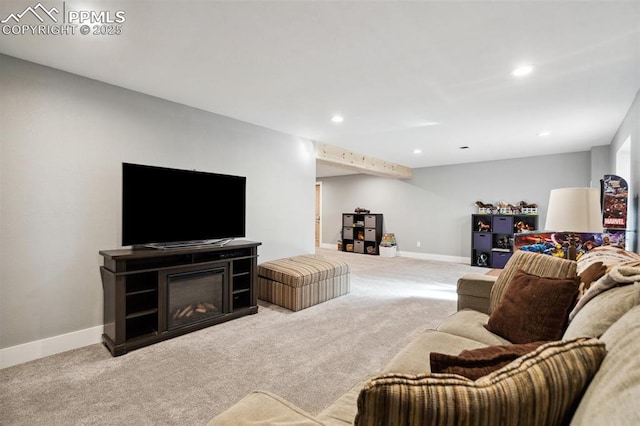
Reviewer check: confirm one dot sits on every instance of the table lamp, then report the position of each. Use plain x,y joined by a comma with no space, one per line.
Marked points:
574,210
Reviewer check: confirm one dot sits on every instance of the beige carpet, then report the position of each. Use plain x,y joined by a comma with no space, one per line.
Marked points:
309,357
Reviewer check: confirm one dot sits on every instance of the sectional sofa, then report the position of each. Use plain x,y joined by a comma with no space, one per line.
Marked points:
588,373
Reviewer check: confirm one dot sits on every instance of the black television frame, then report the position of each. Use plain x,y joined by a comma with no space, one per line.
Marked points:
166,207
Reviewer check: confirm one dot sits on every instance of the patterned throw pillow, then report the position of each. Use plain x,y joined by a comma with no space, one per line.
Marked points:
540,388
534,308
532,263
476,363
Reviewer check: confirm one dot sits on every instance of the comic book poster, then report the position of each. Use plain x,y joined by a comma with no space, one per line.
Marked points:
615,192
557,243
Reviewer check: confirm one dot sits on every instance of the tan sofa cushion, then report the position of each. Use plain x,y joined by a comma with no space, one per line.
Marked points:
532,263
344,409
414,358
602,311
264,408
613,395
470,324
474,291
539,388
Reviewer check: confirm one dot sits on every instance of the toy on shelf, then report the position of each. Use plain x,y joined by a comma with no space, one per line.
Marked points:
388,246
506,208
388,240
484,208
482,226
502,207
482,259
521,226
360,210
527,208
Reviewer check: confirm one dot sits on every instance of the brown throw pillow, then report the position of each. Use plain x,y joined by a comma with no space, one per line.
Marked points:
476,363
534,308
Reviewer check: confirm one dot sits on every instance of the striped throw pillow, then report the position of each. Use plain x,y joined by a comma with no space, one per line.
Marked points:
540,388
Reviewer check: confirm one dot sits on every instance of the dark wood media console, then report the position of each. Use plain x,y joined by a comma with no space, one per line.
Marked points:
152,295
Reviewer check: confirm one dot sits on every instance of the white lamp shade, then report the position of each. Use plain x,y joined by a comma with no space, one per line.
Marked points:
574,210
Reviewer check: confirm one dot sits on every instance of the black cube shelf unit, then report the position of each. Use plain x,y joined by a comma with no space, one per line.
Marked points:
361,233
492,237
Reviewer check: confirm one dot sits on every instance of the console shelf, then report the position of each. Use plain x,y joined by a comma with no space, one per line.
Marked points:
136,283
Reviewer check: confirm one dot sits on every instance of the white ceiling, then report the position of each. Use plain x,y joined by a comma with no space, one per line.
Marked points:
388,67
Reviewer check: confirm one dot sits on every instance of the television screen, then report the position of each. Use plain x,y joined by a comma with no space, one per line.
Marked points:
162,205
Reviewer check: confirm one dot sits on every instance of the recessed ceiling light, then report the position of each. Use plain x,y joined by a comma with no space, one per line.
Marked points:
522,70
417,151
337,119
430,123
544,133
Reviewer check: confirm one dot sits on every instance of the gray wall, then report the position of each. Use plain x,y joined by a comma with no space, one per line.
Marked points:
63,141
630,127
600,164
435,206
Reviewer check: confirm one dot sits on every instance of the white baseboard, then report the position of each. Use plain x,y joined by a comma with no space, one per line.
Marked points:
50,346
65,342
329,246
415,255
438,257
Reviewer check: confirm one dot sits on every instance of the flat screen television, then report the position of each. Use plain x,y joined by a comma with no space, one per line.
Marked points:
163,207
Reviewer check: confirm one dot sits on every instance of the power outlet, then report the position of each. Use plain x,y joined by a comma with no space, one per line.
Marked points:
417,243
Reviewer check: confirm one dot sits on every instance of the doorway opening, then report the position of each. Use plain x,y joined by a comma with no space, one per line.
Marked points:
318,216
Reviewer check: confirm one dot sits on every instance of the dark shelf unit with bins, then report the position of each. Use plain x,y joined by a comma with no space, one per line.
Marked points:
135,287
361,233
492,237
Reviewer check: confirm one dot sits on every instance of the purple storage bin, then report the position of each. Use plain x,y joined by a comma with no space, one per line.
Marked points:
482,240
502,225
499,259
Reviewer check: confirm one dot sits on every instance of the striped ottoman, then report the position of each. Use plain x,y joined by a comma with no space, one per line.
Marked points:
299,282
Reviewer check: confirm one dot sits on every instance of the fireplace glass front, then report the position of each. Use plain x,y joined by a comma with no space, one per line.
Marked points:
194,296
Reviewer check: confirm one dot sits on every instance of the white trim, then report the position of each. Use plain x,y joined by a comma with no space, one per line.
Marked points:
438,257
318,185
415,255
50,346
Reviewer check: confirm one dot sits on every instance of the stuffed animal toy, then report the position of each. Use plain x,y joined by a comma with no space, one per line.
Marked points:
483,226
484,205
525,205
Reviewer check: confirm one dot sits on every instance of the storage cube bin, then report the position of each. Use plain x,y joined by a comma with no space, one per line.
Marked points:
369,234
482,240
499,259
370,221
347,233
502,225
